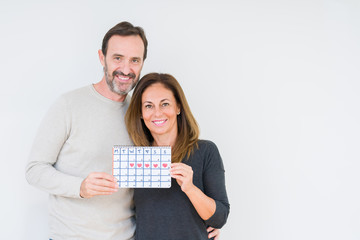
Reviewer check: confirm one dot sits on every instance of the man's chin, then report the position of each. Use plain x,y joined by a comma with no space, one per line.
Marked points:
122,92
127,89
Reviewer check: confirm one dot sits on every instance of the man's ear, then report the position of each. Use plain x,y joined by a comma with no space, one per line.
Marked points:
101,57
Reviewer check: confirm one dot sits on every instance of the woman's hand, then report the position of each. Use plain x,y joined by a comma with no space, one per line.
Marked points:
184,176
204,205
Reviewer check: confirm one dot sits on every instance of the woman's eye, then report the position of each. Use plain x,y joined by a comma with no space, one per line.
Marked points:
165,104
148,106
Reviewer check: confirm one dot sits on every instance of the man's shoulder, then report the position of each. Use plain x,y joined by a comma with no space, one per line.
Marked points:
85,90
75,96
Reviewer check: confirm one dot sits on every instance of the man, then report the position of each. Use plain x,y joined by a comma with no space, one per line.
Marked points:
71,156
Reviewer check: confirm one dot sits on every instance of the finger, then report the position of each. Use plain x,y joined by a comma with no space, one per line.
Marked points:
180,166
99,182
175,164
103,175
210,229
102,189
178,177
98,185
183,173
93,186
178,172
102,179
95,192
90,190
90,194
211,235
214,233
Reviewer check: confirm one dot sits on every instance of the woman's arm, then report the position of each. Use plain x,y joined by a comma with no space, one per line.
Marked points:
204,205
211,202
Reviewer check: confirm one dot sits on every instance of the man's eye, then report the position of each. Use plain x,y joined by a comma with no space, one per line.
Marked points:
135,60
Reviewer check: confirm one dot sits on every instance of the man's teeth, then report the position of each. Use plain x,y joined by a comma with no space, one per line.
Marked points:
123,77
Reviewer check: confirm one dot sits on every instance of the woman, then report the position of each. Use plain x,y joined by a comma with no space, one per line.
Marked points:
159,115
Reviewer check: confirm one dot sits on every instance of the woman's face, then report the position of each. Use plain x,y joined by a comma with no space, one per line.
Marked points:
159,111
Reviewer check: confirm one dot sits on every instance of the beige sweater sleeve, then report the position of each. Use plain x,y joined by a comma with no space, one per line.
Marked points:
51,136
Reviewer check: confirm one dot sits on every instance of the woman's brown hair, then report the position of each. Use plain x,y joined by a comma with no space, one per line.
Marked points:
188,129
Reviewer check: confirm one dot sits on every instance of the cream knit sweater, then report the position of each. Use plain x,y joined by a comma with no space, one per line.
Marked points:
75,139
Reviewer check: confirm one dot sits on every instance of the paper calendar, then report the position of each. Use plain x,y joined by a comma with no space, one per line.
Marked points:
142,167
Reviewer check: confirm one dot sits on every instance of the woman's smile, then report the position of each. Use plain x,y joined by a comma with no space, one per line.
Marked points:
159,123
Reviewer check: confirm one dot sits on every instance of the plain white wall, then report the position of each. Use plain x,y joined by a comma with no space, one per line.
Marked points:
275,84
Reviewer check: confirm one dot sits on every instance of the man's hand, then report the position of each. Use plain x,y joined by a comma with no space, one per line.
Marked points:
213,233
98,183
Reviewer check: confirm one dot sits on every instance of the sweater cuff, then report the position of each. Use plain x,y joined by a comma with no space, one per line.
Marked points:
218,219
74,188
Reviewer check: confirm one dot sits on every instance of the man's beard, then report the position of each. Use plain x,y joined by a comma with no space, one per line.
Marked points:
114,87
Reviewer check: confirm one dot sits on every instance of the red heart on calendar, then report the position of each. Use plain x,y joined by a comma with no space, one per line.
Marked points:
164,165
139,164
132,164
155,165
147,165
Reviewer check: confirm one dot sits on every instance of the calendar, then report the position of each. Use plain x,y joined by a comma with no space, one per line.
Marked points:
142,167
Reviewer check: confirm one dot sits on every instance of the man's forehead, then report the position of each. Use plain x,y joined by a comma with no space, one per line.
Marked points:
126,46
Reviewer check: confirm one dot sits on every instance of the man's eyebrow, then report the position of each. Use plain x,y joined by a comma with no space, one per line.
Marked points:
120,55
117,55
136,58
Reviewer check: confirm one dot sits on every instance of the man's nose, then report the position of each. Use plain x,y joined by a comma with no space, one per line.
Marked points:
125,67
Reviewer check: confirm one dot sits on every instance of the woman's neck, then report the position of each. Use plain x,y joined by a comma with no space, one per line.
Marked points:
164,140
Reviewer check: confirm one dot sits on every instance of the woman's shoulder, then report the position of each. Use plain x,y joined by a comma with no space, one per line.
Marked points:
209,153
207,145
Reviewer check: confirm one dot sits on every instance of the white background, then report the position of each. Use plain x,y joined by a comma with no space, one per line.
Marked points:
275,84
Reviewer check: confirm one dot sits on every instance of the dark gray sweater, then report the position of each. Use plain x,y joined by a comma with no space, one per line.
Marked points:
167,213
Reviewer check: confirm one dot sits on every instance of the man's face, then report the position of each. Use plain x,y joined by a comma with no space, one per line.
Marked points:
123,63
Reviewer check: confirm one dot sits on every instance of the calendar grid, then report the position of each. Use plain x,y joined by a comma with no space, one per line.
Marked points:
142,167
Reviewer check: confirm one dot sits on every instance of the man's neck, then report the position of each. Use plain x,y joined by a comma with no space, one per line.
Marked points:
103,89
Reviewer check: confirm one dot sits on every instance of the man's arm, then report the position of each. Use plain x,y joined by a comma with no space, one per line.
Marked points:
51,136
59,131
